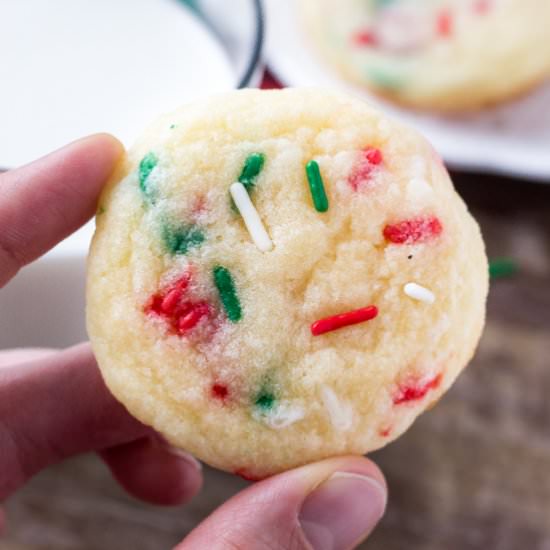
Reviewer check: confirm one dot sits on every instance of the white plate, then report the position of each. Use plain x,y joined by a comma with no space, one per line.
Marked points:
76,67
513,139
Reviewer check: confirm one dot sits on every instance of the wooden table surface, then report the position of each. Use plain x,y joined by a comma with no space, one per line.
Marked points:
474,473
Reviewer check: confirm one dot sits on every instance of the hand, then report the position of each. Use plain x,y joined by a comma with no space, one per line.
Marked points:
54,404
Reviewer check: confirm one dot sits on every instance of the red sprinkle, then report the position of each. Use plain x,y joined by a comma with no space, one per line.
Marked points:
384,432
182,315
165,303
444,23
245,474
171,300
154,305
482,6
373,155
343,320
413,390
362,171
364,38
418,230
219,391
192,315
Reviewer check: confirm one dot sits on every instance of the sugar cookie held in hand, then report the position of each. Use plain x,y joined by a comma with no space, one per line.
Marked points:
279,277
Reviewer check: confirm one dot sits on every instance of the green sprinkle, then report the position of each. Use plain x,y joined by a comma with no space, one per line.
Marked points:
179,239
146,166
265,400
172,126
101,210
502,267
384,79
228,294
380,4
253,165
316,186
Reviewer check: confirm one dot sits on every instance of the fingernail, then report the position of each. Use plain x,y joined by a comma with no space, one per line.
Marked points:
342,511
181,454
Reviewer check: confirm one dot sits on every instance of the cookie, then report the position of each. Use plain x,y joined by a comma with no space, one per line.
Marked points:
446,55
282,276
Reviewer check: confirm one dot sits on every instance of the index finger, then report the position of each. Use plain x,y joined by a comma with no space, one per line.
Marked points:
45,201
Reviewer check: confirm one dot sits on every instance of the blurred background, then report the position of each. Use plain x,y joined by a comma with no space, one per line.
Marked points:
471,474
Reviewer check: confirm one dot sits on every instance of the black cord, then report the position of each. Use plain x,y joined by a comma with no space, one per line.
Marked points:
258,45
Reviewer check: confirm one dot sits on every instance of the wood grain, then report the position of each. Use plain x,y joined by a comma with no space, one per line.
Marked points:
471,474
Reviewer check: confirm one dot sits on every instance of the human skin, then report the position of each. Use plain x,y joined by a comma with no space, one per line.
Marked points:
54,403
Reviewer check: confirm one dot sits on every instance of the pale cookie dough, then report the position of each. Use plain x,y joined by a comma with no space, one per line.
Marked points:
447,55
237,242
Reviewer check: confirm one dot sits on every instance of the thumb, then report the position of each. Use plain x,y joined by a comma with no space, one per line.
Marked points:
330,505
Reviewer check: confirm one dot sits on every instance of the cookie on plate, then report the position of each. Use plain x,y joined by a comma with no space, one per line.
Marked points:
282,276
447,55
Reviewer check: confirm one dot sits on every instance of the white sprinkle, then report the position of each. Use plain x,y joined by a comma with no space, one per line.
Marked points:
341,413
284,415
420,293
250,217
